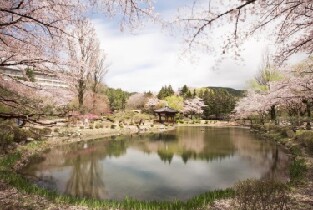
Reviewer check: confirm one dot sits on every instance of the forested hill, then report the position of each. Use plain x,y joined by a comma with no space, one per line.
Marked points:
234,92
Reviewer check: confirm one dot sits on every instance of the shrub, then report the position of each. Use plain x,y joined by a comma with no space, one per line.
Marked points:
297,170
113,126
6,137
81,127
20,134
206,122
306,138
151,125
97,126
262,194
56,130
295,150
287,132
90,126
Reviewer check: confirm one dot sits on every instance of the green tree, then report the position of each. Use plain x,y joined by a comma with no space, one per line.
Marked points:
175,102
183,91
218,103
117,98
188,95
165,92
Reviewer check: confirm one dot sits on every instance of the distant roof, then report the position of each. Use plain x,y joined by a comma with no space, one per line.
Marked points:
166,110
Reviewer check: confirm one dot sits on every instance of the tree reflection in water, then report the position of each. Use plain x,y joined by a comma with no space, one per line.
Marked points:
86,177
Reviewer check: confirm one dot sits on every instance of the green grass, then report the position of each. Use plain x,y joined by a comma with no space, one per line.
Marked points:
23,185
297,169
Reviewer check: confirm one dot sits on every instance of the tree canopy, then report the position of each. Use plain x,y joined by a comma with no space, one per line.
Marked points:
165,92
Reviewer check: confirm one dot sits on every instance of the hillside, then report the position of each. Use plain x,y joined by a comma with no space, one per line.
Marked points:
234,92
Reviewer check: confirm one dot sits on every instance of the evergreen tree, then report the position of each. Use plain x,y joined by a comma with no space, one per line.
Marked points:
183,91
117,98
165,92
218,103
194,93
188,95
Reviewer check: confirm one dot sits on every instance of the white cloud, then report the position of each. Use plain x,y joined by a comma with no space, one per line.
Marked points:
151,59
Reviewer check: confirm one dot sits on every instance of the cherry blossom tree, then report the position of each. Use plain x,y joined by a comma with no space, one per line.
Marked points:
83,52
35,33
292,94
98,71
136,101
290,23
193,106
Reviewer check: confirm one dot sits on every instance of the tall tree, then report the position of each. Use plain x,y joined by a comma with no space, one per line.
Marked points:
261,82
165,92
83,53
98,71
183,91
218,103
117,98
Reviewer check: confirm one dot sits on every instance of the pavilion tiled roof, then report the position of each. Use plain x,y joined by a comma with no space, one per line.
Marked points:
166,110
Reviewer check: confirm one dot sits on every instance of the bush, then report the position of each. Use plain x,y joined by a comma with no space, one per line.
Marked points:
56,130
306,138
6,138
287,132
10,133
297,170
37,133
262,194
113,126
97,126
295,150
20,134
91,126
206,122
197,121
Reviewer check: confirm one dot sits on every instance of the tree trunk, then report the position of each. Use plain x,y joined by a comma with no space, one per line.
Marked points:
81,89
308,109
273,114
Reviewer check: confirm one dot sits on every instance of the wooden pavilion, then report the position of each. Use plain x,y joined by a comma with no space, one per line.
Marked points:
167,112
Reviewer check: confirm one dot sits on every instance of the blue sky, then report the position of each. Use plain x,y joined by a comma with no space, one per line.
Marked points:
150,57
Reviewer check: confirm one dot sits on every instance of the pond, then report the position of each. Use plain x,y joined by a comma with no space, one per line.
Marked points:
177,165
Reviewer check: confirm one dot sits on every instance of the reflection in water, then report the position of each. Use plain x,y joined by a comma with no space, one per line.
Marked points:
173,165
86,178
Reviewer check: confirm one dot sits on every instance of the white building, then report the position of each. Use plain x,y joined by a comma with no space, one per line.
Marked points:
41,78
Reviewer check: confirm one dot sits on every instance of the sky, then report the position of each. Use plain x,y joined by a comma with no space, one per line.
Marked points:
149,58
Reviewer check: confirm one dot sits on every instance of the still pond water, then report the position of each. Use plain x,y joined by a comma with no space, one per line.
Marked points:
178,164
